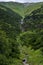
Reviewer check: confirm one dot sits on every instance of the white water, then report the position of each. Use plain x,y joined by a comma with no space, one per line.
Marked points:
21,23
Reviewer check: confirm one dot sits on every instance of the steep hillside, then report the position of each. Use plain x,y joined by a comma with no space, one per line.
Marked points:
20,8
34,21
17,7
9,20
31,7
9,30
21,33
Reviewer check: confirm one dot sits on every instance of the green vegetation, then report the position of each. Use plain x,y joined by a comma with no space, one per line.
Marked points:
34,21
15,44
17,7
32,7
22,9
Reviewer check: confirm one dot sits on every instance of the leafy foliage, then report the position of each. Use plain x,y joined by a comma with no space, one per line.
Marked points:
8,48
31,47
34,21
16,45
9,29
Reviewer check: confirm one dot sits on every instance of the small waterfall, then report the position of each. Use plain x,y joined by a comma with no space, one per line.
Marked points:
21,23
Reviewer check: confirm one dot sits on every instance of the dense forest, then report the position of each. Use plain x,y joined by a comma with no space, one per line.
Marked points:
21,33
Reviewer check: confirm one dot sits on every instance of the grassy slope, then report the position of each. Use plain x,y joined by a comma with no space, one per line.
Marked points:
34,21
21,8
32,7
17,7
